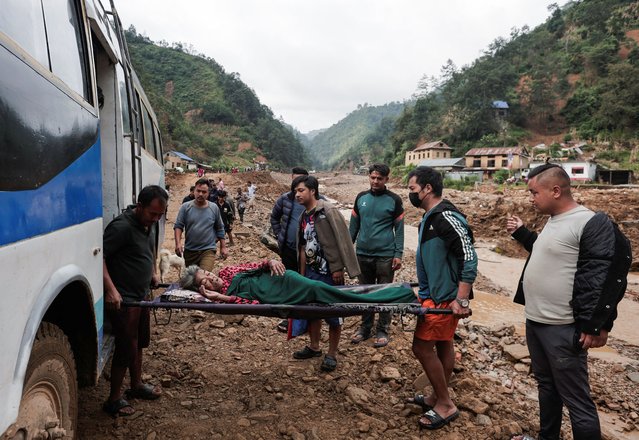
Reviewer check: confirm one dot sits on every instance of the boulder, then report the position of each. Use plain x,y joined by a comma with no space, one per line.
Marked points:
517,351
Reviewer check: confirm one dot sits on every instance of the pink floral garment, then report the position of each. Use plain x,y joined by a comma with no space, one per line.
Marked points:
227,274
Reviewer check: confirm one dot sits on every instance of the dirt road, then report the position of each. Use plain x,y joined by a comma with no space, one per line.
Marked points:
234,377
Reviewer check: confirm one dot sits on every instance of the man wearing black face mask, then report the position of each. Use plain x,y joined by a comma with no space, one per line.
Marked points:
446,269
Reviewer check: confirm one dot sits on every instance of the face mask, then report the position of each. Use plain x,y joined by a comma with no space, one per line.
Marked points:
414,199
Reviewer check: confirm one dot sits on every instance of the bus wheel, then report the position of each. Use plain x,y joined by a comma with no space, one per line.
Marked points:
49,405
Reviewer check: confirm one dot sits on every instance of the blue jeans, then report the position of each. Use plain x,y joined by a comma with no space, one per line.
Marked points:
328,279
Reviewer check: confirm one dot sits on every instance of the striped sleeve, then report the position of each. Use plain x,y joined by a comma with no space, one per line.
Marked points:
455,233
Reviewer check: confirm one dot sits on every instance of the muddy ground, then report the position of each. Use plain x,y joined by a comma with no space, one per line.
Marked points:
234,377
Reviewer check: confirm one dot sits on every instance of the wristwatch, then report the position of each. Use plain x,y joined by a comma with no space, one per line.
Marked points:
464,302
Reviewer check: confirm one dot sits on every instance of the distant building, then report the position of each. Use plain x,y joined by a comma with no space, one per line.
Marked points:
500,109
578,170
489,160
429,150
173,159
444,165
615,177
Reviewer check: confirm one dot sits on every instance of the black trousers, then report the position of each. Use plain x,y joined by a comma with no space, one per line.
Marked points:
376,270
289,259
561,369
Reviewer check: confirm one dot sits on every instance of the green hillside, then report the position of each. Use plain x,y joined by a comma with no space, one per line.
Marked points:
208,113
352,141
572,78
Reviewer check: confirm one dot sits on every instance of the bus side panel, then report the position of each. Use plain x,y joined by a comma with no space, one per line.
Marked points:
35,271
50,211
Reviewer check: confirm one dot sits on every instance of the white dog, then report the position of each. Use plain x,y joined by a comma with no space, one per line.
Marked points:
168,260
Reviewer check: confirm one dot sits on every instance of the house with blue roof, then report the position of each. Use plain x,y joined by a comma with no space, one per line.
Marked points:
174,159
501,109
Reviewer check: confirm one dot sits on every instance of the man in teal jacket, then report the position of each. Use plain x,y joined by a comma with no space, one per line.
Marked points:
377,227
446,265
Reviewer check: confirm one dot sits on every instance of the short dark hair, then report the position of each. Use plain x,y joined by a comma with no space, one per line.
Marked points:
380,168
428,176
550,170
541,168
192,188
299,170
309,181
150,193
221,193
202,181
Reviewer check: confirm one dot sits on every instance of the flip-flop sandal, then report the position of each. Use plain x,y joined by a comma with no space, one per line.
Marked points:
436,421
419,399
359,336
381,340
114,409
145,392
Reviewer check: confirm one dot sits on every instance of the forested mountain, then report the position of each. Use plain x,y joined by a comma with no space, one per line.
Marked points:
356,138
573,77
206,112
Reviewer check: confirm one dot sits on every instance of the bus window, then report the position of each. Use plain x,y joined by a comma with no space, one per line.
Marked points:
124,100
138,118
158,144
22,21
66,47
149,143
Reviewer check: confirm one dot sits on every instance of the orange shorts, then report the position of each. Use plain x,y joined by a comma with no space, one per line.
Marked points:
432,327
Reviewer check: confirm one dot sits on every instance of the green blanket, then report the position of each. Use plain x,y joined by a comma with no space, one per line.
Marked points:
293,288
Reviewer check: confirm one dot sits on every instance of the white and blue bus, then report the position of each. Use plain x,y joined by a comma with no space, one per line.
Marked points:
78,141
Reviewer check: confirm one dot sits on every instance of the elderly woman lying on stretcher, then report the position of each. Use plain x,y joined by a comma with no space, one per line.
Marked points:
214,288
268,282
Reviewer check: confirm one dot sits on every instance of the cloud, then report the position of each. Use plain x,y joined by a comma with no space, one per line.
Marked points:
312,62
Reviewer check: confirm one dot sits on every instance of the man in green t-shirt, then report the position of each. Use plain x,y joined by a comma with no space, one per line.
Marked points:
129,272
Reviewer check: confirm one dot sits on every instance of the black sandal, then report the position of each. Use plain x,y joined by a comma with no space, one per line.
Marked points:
114,409
145,391
307,353
420,400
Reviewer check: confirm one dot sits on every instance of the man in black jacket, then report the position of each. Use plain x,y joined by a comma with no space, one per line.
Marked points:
570,298
285,219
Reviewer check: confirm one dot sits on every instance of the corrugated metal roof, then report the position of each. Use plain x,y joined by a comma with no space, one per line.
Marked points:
432,145
496,151
449,162
181,156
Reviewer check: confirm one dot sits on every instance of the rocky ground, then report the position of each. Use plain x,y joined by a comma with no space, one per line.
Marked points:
234,377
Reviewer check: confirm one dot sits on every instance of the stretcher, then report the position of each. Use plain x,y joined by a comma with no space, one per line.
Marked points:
296,311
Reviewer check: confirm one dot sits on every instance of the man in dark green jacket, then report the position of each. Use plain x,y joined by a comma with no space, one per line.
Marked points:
446,265
377,226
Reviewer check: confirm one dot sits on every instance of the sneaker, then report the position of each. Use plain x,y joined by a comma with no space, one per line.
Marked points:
307,353
329,363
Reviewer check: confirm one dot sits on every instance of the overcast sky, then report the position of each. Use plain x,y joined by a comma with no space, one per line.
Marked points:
313,61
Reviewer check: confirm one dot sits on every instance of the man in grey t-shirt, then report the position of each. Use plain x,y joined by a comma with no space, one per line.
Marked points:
558,296
202,223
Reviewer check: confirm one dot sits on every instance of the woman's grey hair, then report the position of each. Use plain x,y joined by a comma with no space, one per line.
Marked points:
188,279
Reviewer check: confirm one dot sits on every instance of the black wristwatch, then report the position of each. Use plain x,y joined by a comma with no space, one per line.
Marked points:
464,302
